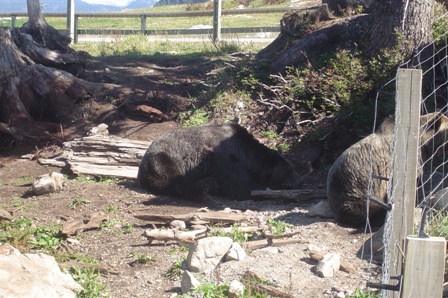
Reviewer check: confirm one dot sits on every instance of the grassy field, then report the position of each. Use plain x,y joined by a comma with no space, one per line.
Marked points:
166,23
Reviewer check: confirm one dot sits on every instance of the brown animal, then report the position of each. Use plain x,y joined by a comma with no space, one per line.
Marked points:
350,178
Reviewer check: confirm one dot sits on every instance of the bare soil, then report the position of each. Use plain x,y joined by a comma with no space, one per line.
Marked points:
168,84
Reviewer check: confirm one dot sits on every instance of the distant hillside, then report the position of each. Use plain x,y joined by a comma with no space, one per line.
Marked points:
176,2
8,6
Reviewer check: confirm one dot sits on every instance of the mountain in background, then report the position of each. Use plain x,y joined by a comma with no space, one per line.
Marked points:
8,6
176,2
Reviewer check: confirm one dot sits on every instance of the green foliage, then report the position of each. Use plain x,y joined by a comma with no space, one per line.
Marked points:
24,235
235,234
127,229
89,279
195,118
440,24
17,203
176,270
270,134
141,258
278,227
211,290
47,238
79,257
22,181
78,203
175,249
361,294
438,226
110,223
109,209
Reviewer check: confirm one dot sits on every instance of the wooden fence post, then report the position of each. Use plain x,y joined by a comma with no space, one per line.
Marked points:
424,267
143,24
400,221
216,20
75,39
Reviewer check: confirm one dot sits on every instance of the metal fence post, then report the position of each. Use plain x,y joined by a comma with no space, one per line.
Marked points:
71,19
216,20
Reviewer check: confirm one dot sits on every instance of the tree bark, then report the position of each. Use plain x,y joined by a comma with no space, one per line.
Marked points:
36,85
402,23
393,23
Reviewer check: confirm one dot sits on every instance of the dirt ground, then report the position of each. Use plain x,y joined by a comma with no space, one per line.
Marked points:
168,85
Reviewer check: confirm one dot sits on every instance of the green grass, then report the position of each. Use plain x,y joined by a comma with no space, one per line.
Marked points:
278,227
89,279
23,234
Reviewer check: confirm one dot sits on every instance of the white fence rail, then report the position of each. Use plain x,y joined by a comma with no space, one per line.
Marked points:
144,16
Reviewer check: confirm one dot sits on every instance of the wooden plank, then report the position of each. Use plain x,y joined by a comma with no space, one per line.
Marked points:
404,171
208,217
424,267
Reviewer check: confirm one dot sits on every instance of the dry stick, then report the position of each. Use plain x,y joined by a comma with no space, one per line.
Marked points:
272,242
167,234
291,194
203,217
345,266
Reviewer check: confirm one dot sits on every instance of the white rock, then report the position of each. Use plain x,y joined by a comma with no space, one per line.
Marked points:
100,130
235,253
236,289
33,275
321,209
178,225
47,183
329,265
206,254
188,282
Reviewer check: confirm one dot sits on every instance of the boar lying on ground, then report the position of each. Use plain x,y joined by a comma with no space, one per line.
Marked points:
221,160
350,178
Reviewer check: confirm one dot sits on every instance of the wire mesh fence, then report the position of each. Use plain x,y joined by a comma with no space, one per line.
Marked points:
430,196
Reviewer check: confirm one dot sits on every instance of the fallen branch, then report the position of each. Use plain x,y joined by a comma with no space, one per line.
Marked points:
283,236
168,234
291,194
345,266
252,245
193,218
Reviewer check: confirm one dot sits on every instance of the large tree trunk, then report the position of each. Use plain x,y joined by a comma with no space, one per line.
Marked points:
34,83
392,23
402,23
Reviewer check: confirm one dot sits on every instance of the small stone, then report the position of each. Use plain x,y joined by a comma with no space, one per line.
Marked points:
236,289
207,253
47,183
235,253
178,225
188,282
329,265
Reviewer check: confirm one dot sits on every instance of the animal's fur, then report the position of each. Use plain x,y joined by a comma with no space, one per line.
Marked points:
349,177
222,159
